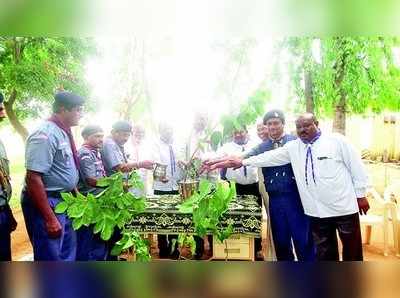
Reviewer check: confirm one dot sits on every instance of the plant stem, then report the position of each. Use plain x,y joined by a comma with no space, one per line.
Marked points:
196,150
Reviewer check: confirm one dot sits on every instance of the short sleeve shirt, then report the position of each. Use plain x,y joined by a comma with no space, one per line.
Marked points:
91,166
5,191
113,155
48,151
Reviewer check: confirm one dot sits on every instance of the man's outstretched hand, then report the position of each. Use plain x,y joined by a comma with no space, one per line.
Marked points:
220,163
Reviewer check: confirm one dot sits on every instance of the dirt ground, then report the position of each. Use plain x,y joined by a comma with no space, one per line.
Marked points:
19,238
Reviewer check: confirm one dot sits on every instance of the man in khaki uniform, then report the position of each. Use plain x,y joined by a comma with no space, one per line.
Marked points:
7,221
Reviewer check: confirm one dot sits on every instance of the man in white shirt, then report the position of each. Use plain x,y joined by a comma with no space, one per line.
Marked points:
290,227
246,177
137,149
164,153
332,183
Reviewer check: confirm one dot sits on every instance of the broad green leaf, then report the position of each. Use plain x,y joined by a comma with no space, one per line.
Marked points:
216,139
67,197
116,250
104,182
108,229
129,243
225,234
61,207
204,187
99,226
75,210
77,223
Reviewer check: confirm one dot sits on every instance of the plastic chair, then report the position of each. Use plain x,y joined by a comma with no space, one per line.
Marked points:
392,195
382,213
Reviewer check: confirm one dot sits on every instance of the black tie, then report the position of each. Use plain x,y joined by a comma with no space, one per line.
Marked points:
244,167
276,144
172,160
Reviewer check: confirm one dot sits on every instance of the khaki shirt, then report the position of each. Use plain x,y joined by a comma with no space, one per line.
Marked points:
5,184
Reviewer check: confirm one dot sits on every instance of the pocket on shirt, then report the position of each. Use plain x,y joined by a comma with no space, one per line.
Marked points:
65,153
327,167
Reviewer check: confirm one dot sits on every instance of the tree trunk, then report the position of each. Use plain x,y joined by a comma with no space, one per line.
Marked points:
339,122
308,92
16,124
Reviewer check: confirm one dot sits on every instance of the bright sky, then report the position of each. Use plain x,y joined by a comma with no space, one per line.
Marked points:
184,74
184,68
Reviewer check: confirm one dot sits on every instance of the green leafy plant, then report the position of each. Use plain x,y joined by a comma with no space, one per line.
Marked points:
247,115
113,208
208,205
223,130
192,170
185,241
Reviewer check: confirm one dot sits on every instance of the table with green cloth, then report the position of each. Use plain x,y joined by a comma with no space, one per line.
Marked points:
162,216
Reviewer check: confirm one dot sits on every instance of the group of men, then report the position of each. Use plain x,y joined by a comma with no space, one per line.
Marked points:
317,187
316,184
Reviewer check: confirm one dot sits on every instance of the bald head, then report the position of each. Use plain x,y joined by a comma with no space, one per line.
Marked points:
309,116
307,126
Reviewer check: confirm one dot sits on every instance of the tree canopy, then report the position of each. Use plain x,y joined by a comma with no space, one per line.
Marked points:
352,75
33,68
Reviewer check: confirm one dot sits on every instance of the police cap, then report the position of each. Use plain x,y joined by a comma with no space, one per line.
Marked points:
274,114
90,130
122,126
68,99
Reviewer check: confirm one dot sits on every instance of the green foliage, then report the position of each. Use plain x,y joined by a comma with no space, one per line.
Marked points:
363,69
36,66
208,204
131,239
32,69
192,169
246,116
113,208
185,240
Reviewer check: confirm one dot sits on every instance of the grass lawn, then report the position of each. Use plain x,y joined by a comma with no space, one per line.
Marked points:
17,169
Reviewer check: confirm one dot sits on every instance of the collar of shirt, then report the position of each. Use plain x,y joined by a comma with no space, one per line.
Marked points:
278,140
95,150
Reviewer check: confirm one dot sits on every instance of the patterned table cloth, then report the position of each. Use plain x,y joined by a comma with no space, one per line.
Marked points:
162,216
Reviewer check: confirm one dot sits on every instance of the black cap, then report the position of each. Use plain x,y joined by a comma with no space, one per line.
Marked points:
1,97
274,114
90,130
123,126
69,99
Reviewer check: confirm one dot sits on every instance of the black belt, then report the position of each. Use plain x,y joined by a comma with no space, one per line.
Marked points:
57,194
52,194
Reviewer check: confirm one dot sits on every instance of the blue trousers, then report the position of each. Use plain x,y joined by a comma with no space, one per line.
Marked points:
289,223
90,246
5,236
44,247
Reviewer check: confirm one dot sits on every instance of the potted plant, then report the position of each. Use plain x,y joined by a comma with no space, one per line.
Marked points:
247,114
